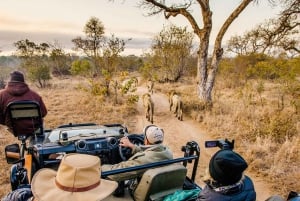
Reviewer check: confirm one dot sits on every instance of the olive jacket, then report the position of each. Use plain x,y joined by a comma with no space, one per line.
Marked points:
141,155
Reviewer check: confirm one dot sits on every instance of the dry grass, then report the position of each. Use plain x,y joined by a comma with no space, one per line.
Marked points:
66,104
5,138
238,113
266,134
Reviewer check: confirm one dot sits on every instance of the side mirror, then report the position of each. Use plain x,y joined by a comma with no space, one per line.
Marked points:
12,153
63,138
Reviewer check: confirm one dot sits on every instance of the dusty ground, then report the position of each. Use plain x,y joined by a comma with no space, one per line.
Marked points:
177,133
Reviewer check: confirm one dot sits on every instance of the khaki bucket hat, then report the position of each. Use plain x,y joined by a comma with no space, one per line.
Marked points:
78,178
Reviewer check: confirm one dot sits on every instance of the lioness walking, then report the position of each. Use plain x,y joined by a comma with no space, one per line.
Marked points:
176,104
150,85
149,107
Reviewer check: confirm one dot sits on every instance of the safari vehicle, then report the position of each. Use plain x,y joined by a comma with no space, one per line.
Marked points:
47,147
160,178
50,144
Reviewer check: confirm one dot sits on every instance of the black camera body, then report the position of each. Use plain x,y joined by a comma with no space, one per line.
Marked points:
222,144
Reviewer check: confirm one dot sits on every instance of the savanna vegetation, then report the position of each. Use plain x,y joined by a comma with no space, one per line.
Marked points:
255,98
262,115
260,112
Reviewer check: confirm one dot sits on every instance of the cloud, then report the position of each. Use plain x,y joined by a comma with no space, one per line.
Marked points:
8,23
9,37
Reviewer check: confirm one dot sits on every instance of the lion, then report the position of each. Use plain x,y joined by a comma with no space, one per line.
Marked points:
149,106
176,104
150,85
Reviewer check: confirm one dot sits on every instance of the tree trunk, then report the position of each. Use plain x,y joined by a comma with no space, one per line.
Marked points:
206,71
202,64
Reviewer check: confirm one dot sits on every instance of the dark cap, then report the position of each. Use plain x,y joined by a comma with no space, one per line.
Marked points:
227,167
16,76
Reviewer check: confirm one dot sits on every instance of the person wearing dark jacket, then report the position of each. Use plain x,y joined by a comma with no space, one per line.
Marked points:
17,90
227,183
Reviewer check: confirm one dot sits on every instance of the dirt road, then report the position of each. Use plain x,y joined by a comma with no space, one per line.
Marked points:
177,133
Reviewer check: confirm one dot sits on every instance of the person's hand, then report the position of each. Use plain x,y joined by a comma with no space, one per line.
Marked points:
125,142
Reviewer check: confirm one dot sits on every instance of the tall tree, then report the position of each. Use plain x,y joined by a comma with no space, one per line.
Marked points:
171,49
34,60
94,40
60,61
206,69
276,34
111,53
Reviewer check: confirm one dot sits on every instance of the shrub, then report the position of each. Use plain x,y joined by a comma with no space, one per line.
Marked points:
279,126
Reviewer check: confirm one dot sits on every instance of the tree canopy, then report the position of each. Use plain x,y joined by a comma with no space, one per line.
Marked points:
206,67
273,36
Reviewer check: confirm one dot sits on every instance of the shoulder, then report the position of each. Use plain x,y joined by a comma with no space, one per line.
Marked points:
248,182
208,194
33,92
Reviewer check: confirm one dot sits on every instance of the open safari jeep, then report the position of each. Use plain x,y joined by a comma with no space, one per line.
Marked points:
46,148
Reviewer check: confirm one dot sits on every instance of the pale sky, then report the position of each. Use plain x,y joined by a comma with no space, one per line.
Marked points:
63,20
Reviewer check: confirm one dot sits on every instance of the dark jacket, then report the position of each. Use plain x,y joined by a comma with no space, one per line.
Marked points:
245,192
17,91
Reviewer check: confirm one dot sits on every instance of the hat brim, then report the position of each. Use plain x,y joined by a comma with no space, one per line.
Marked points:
44,189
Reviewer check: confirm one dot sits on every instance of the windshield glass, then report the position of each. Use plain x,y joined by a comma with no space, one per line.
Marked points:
82,132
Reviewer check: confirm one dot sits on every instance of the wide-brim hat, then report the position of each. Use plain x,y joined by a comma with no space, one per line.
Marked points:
227,167
78,178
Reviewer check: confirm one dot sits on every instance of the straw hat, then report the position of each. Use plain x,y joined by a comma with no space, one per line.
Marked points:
77,179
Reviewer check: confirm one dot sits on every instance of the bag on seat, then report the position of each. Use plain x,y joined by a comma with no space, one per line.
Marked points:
159,182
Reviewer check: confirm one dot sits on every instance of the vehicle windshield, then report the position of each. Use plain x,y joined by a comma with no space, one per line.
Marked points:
72,133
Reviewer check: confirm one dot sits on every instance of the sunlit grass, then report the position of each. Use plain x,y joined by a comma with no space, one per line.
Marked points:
265,134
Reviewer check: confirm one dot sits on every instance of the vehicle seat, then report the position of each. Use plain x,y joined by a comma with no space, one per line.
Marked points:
25,118
159,182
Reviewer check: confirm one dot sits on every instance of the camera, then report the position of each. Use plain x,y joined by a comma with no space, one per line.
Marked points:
222,144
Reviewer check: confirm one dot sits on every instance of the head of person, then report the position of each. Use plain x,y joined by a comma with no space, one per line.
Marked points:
226,167
78,178
295,198
153,135
17,76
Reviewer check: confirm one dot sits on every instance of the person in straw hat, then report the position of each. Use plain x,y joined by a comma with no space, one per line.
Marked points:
153,150
78,178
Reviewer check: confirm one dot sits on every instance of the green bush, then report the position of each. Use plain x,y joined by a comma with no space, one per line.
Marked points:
96,88
132,99
40,74
81,67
